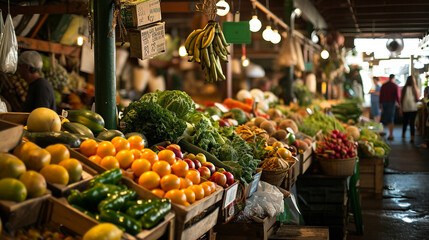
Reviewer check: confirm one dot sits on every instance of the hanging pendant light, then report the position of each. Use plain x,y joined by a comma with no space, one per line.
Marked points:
267,34
255,24
275,37
222,8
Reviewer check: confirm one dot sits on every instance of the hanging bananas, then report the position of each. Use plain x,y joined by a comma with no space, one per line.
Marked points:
207,47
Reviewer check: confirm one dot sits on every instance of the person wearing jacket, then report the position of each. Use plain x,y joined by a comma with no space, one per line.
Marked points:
389,96
409,99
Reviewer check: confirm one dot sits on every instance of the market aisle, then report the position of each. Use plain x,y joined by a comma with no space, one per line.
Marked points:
403,212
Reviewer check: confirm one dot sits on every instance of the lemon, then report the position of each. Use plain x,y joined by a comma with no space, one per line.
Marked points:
103,231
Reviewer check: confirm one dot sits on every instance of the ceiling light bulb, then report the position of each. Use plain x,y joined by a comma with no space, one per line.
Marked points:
275,37
267,33
314,37
222,8
245,62
297,11
255,24
324,54
182,51
80,41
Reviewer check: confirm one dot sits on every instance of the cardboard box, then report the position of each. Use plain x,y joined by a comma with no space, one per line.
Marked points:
141,13
12,132
147,42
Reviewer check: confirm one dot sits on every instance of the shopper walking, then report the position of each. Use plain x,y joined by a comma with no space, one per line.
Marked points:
409,99
389,97
40,92
425,102
375,100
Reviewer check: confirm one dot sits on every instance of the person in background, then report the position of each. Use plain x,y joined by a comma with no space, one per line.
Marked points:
426,124
40,92
375,100
389,96
409,99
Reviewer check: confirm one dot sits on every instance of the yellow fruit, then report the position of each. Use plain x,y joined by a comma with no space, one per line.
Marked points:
190,195
22,149
88,147
55,173
158,192
125,158
140,166
38,158
12,189
10,166
34,182
43,120
176,196
103,231
58,153
162,168
170,182
180,168
74,168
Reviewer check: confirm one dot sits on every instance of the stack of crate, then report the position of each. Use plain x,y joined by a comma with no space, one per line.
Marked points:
323,202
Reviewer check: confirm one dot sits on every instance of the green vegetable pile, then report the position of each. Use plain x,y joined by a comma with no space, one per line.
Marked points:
156,115
107,201
348,111
375,141
319,121
303,94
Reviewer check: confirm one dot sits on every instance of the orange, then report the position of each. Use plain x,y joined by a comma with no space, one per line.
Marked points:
176,196
167,155
198,190
106,148
170,182
158,192
140,166
95,159
121,144
58,153
180,168
136,142
125,158
162,168
207,189
109,162
88,147
54,173
117,139
190,195
185,183
150,155
194,176
149,180
137,153
212,185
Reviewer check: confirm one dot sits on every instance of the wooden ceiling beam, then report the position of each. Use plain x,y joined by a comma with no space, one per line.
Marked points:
65,8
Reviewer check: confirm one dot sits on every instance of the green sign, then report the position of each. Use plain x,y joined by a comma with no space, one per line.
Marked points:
237,32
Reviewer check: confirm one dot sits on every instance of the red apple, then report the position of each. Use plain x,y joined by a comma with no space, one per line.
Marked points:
229,178
190,163
219,178
196,163
176,149
204,172
210,166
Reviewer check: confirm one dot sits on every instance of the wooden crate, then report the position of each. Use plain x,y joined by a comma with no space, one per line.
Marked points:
296,232
15,117
292,175
305,160
165,227
371,176
55,215
16,215
259,229
184,215
12,132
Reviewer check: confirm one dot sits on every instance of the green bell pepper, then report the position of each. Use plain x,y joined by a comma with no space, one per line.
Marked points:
137,211
131,225
156,214
112,176
118,200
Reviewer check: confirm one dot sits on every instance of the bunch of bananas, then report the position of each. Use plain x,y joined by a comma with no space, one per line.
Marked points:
207,47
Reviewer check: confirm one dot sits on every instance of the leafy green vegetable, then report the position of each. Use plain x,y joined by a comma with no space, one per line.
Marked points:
156,123
149,97
176,101
319,121
303,94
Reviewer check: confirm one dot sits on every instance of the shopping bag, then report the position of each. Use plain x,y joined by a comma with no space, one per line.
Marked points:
8,48
291,214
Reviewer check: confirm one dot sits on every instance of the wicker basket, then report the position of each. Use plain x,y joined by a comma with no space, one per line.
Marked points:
274,177
337,167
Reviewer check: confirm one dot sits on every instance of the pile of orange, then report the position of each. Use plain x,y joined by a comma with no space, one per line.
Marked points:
162,173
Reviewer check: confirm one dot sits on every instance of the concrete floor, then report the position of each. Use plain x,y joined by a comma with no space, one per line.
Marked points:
403,211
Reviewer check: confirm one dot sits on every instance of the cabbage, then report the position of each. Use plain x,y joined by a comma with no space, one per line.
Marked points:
176,101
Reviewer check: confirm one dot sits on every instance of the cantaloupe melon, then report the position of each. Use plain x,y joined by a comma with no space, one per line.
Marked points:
43,120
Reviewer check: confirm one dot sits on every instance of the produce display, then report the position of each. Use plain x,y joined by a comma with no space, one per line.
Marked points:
40,233
348,111
318,121
336,145
371,144
207,47
26,173
108,201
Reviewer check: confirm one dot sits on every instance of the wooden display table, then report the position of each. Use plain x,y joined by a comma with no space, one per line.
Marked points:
371,176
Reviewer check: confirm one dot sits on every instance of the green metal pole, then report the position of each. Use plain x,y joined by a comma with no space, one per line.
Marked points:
105,55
